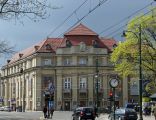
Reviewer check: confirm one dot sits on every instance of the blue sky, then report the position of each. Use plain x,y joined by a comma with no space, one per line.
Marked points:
25,35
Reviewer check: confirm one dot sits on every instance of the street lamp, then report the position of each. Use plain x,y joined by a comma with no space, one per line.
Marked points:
140,69
97,86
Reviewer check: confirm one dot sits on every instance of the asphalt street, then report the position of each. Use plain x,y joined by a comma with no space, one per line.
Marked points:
58,115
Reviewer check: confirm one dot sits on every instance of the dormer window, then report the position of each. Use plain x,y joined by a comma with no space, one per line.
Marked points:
48,47
95,44
20,55
68,43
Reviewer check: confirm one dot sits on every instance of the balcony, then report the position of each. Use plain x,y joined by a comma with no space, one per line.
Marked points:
66,90
83,90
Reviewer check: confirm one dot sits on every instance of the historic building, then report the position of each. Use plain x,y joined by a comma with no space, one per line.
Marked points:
75,69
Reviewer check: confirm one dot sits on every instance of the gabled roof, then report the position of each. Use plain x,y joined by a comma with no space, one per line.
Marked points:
38,48
80,30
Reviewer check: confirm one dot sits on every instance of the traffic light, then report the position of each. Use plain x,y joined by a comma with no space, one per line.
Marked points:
110,96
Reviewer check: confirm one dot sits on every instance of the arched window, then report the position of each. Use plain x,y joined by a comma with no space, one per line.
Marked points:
68,43
95,43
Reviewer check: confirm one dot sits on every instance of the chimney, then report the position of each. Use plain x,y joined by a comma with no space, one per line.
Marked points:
8,61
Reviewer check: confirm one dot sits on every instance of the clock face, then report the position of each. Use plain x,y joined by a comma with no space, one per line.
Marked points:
114,82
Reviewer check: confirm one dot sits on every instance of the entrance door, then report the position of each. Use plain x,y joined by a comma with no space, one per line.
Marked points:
67,105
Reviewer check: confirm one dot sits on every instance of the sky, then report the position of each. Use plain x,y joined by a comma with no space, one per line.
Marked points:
108,14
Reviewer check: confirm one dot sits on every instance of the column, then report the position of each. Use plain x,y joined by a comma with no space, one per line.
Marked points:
58,91
90,90
74,91
38,93
20,91
34,94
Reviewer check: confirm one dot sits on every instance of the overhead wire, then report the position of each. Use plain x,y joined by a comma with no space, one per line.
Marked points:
126,18
74,12
126,23
90,11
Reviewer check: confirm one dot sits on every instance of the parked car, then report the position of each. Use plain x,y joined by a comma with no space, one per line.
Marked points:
83,113
7,108
2,108
124,114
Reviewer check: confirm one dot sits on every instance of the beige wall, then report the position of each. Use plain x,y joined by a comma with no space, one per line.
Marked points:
34,70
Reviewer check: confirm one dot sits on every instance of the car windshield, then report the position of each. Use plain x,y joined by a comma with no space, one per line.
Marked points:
121,111
88,109
130,110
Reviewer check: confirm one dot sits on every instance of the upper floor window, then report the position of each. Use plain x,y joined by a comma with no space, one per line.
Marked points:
83,83
82,61
67,83
68,43
47,62
67,61
95,43
82,46
97,83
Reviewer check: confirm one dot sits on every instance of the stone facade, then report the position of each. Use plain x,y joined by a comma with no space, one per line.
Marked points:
69,64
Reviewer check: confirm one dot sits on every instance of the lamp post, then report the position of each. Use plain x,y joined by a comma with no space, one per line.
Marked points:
140,69
97,86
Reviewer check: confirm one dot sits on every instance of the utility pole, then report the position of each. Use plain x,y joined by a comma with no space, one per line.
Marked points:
140,67
140,74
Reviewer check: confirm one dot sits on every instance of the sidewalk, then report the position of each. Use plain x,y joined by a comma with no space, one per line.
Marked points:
105,117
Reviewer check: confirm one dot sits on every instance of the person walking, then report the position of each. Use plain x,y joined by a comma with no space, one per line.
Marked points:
51,111
45,111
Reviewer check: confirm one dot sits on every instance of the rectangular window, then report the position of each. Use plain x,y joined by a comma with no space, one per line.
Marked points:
67,61
47,62
82,61
67,83
99,83
83,83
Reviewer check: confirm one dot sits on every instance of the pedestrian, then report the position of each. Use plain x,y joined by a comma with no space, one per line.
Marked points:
61,108
51,111
154,111
45,111
152,106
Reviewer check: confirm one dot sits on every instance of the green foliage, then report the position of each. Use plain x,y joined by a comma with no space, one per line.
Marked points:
126,55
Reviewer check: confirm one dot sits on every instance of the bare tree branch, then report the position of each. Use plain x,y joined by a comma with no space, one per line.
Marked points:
23,8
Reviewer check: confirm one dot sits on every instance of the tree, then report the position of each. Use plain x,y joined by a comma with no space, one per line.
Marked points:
5,48
32,9
16,9
126,55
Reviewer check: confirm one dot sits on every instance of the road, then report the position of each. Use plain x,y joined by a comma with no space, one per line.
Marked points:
58,115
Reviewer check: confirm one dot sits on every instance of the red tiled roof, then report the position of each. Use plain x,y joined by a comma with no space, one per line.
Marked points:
82,34
81,30
109,42
40,47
